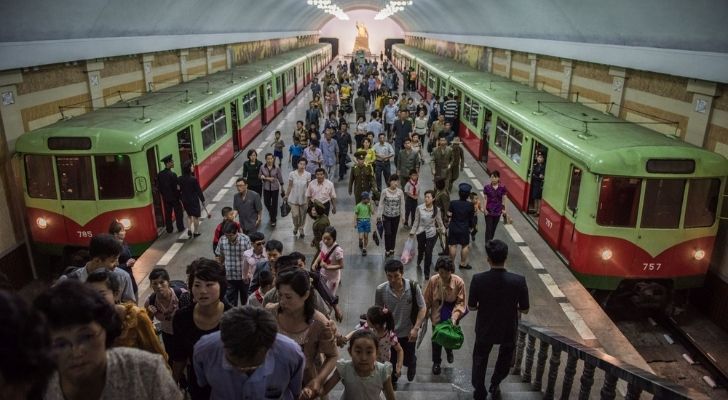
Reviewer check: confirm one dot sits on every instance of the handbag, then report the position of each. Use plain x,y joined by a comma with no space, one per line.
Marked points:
448,335
285,209
375,238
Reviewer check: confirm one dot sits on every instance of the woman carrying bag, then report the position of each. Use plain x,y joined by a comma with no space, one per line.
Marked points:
445,301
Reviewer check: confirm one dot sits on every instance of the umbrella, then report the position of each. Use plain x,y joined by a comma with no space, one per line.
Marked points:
423,331
380,228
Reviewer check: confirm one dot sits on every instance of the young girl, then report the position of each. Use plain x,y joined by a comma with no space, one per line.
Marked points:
330,259
278,146
380,321
363,376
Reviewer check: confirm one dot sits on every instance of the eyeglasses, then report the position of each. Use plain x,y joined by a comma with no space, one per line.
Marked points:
64,346
259,243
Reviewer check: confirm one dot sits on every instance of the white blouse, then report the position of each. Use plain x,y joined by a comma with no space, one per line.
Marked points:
297,195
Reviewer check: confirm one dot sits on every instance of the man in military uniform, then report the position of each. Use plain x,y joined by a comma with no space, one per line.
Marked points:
442,161
458,162
407,161
169,189
362,178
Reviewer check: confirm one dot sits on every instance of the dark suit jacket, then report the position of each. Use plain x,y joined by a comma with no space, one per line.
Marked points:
498,295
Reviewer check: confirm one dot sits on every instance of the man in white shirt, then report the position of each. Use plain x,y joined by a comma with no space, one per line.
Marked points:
382,165
322,189
375,125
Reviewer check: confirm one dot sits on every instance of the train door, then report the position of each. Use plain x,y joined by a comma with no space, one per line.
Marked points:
566,241
235,124
485,136
263,111
77,193
184,143
152,164
536,175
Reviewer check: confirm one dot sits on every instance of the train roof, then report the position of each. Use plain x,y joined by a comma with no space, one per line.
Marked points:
601,142
119,128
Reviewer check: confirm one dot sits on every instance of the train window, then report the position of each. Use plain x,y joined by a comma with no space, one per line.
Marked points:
515,139
488,122
432,82
574,187
443,89
207,129
268,92
474,111
501,134
466,108
73,177
618,201
220,124
246,106
253,101
278,84
702,203
39,177
657,166
663,203
113,175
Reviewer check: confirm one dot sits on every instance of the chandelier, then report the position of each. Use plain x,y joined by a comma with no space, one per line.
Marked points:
393,7
328,7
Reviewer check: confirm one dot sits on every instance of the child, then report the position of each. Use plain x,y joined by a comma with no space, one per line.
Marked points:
227,215
412,194
363,221
475,199
295,151
330,260
317,212
278,148
265,280
380,321
363,376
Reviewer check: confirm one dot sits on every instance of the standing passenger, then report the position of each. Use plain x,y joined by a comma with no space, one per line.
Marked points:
461,214
229,253
494,205
191,194
169,188
391,207
298,181
272,181
247,204
251,171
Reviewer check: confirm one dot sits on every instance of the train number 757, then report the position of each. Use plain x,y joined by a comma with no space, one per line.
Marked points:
651,266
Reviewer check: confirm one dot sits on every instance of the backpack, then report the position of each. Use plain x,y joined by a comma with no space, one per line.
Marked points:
179,287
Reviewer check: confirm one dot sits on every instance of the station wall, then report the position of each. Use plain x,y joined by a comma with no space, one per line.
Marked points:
41,95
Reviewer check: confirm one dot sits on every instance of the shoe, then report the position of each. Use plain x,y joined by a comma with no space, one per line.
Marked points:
295,232
494,391
189,234
450,357
196,234
302,235
467,266
411,371
180,230
406,225
273,224
364,252
394,384
436,369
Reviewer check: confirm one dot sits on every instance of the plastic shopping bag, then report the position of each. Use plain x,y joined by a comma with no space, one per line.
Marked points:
408,253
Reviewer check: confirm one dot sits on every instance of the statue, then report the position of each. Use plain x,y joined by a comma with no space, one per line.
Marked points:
362,38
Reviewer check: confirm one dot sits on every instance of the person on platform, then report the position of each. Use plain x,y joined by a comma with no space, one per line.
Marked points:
382,165
191,196
442,161
360,106
322,190
402,129
330,260
460,215
317,211
248,206
499,297
228,214
313,114
298,181
278,146
495,194
164,302
407,161
426,227
537,175
412,196
390,212
343,139
272,179
390,115
273,250
230,253
375,124
363,220
251,172
458,162
249,359
168,185
437,127
361,178
126,261
330,151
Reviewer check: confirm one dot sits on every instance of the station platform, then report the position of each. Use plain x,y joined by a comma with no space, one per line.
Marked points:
558,301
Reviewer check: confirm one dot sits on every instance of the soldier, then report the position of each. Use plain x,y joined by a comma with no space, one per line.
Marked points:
408,160
458,162
442,161
362,178
168,185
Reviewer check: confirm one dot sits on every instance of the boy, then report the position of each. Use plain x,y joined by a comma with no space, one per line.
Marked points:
227,215
229,253
278,145
295,151
412,195
363,221
265,279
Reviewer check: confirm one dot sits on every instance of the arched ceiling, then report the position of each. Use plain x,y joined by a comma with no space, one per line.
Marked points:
30,30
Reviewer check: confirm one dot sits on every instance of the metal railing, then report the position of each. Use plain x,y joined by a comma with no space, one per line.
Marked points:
638,381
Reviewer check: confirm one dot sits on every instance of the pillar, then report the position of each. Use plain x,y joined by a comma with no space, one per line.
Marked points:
701,110
183,54
208,55
489,51
509,63
568,68
12,119
95,90
619,75
229,56
147,60
533,70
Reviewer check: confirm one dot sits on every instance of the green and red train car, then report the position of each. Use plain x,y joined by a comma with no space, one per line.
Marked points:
81,173
621,203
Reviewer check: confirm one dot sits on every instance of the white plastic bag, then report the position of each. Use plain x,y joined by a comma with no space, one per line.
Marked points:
408,253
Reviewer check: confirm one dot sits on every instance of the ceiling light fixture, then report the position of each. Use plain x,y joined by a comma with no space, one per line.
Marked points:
393,7
328,7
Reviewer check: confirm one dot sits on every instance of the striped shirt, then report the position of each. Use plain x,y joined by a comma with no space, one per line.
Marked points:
401,307
450,109
232,254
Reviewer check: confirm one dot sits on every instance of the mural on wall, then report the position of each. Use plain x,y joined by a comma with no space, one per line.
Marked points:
243,53
361,42
366,32
472,55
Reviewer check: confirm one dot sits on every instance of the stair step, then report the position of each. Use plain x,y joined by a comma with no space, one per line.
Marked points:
427,395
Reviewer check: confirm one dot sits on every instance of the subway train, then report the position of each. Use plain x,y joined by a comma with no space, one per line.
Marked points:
627,208
81,173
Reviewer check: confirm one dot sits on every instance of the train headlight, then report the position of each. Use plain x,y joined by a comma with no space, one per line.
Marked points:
41,222
126,222
699,254
606,254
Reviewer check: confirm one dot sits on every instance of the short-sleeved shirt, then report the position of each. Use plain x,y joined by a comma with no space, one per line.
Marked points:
300,182
251,261
233,258
384,343
279,377
127,291
336,255
363,211
383,150
462,216
322,192
329,151
494,199
401,307
248,208
498,296
313,157
363,387
375,127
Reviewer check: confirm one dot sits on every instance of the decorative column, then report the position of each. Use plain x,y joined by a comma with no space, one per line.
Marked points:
509,63
93,73
147,60
533,70
568,68
489,51
619,75
183,54
701,110
208,55
12,119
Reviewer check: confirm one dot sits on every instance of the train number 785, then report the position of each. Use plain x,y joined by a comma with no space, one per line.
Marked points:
651,266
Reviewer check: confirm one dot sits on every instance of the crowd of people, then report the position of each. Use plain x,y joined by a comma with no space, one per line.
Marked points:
256,320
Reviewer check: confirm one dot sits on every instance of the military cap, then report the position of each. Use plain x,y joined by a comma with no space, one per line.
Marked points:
167,159
360,155
465,187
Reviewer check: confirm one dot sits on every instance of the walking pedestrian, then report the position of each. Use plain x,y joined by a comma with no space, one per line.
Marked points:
126,261
272,179
426,227
343,139
412,196
494,204
251,172
407,161
298,181
313,155
322,190
499,297
330,151
168,185
461,214
361,178
191,196
247,204
384,153
330,260
229,253
458,162
442,161
390,212
402,129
